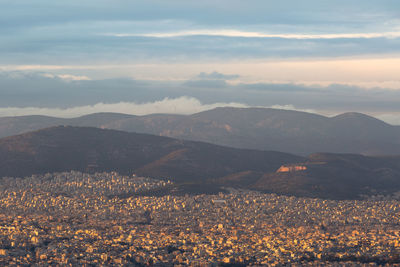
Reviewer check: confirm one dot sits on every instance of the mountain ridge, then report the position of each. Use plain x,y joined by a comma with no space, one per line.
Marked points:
253,128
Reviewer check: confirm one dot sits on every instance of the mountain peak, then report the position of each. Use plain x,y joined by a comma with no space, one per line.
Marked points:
357,116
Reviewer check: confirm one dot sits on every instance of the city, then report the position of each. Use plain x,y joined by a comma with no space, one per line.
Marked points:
199,133
74,219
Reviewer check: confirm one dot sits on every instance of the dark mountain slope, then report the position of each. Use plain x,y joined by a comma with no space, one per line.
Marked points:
337,176
75,148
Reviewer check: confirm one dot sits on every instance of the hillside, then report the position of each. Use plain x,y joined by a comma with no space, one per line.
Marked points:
252,128
323,175
92,149
337,176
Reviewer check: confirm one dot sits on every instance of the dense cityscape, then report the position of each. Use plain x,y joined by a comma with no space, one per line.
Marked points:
107,219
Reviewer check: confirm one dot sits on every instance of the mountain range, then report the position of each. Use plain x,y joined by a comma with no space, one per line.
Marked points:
324,175
294,132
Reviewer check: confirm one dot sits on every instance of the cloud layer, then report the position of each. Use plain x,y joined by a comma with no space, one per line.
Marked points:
61,95
181,105
247,34
90,32
328,56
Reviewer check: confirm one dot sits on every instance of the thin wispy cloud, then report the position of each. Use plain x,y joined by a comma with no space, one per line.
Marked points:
67,77
253,34
367,73
217,76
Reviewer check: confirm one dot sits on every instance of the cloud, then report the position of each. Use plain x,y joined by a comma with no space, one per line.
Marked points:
212,80
267,53
379,71
181,105
218,12
252,34
210,84
391,118
292,107
41,93
101,33
217,76
67,77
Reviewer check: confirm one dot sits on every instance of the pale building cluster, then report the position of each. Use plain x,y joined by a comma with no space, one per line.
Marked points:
108,219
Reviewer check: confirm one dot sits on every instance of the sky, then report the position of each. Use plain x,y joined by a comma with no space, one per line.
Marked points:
69,58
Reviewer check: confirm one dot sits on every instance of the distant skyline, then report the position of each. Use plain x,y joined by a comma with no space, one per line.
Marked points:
71,58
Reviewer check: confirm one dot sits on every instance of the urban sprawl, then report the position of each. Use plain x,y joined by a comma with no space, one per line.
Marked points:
77,219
